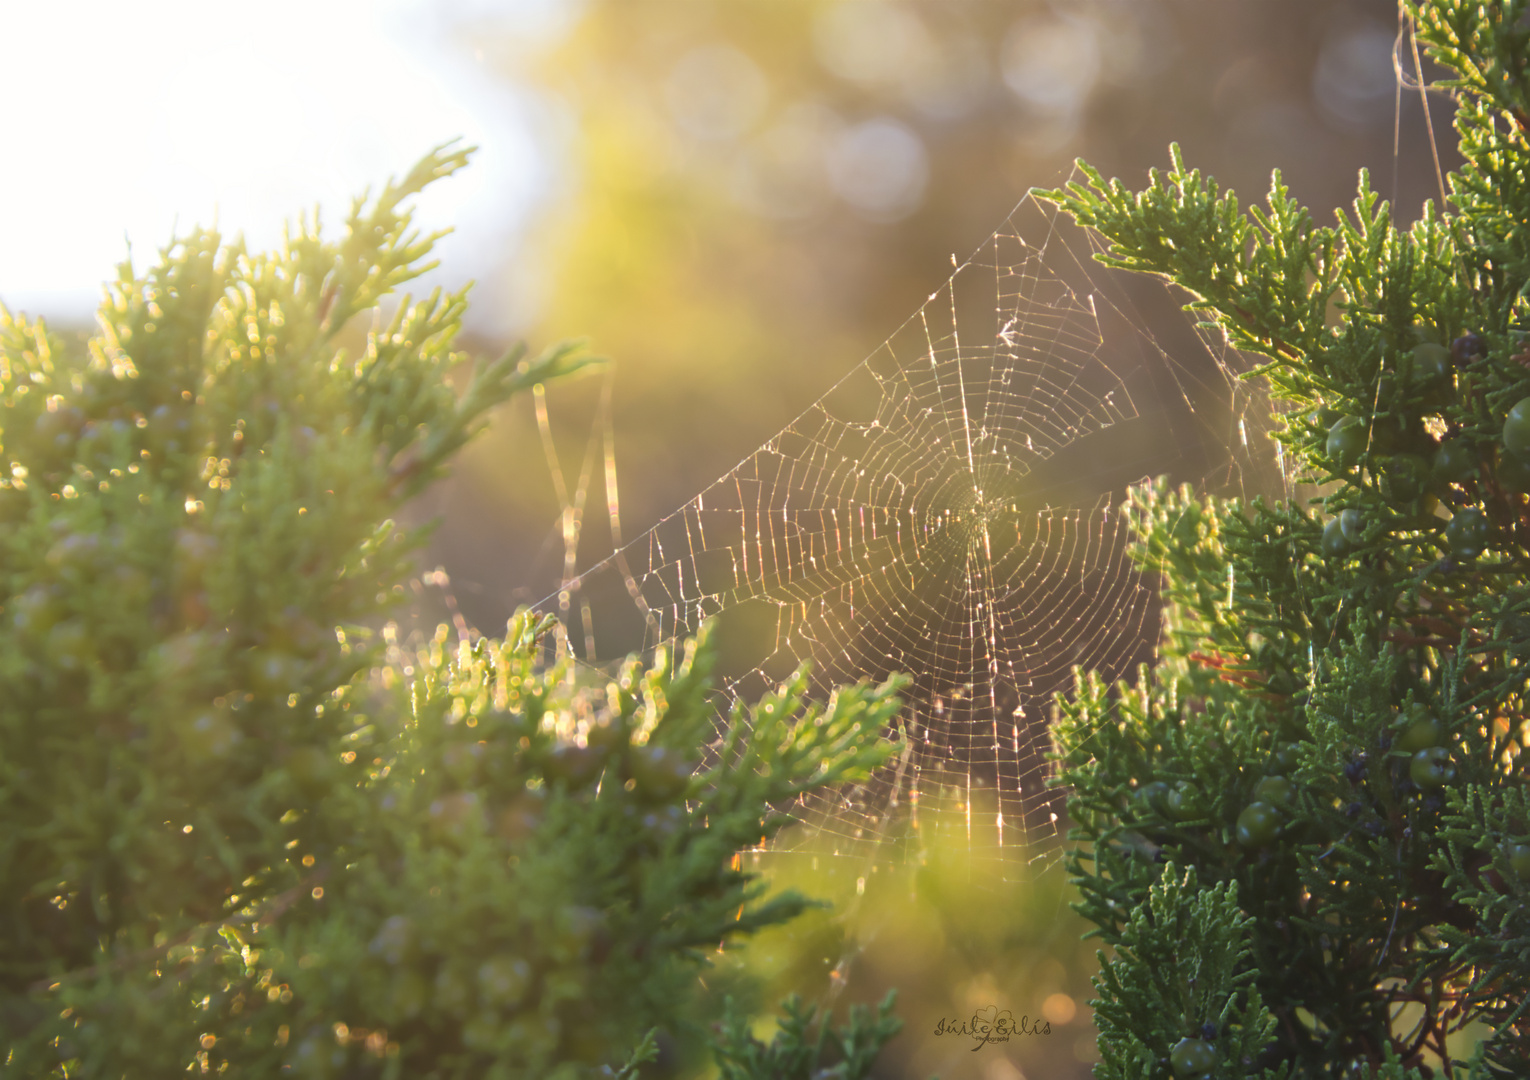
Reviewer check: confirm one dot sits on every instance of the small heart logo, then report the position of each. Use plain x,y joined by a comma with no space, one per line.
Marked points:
995,1019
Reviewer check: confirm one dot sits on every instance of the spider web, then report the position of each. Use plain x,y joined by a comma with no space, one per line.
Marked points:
952,509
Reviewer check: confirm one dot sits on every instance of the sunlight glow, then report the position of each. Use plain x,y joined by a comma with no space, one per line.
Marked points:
136,120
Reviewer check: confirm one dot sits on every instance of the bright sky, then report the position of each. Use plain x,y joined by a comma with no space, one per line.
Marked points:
124,119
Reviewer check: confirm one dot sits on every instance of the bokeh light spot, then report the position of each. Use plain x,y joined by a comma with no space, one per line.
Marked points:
1002,1069
715,92
880,168
781,172
1059,1009
871,43
1354,82
1051,64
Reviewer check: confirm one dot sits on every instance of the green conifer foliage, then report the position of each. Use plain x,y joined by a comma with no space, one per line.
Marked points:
245,835
1306,832
795,1052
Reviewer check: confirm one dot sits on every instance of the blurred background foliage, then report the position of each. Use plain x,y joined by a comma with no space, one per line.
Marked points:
750,196
753,195
957,936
